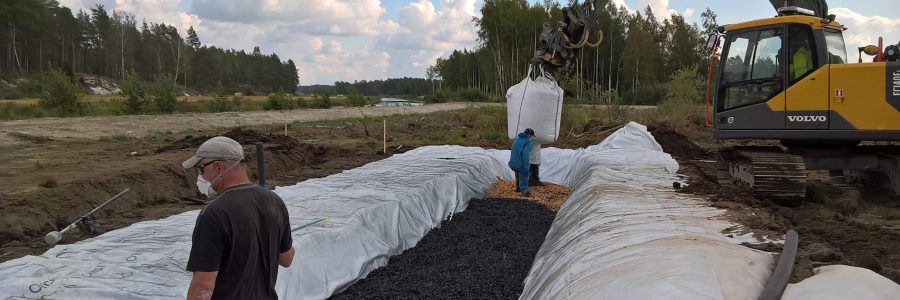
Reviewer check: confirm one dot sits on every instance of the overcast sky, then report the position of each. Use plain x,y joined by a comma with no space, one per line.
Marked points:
349,40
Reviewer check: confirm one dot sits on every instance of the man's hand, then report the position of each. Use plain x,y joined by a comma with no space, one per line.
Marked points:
202,285
286,258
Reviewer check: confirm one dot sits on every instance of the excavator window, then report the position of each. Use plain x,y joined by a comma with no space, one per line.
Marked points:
753,69
801,52
837,51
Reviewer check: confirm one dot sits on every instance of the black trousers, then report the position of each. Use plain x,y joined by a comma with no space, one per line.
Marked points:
535,176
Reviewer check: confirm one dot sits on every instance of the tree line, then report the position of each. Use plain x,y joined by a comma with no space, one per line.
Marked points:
638,57
406,86
41,35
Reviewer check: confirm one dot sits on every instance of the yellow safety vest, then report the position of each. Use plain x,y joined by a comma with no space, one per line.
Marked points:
802,62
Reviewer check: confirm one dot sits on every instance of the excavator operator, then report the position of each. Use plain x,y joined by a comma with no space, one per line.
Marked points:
801,60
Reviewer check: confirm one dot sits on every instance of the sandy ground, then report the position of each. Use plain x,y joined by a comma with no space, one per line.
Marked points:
142,125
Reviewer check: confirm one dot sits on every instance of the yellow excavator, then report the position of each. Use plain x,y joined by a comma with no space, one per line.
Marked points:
787,78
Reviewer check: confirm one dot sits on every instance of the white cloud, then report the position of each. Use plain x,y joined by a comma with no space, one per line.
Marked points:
425,58
660,8
320,17
154,11
230,35
160,11
865,30
86,5
328,40
333,63
688,12
432,31
621,3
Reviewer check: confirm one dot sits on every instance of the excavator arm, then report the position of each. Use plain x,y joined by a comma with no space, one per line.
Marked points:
562,41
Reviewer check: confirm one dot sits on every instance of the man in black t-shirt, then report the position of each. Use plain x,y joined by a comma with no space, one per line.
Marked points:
243,233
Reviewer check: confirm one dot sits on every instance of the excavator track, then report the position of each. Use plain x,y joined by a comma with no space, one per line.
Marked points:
768,172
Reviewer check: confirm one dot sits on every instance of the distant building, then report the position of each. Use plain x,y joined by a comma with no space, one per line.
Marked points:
397,102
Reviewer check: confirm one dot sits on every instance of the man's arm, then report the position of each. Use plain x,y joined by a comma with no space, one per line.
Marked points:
286,258
202,285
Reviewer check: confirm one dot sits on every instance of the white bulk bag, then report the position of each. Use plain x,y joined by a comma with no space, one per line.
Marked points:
536,104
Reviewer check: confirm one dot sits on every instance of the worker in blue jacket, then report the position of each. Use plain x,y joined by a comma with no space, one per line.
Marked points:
518,160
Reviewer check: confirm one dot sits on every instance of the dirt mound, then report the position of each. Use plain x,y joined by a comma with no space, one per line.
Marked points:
677,144
31,215
246,137
159,186
485,252
593,133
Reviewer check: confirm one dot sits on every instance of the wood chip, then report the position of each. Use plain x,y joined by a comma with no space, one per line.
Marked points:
549,195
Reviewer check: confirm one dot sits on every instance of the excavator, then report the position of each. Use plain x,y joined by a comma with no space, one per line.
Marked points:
787,79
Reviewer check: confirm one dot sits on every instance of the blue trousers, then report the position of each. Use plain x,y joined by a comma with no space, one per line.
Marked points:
522,179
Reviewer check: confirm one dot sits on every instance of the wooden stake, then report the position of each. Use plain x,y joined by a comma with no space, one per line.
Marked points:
285,128
384,121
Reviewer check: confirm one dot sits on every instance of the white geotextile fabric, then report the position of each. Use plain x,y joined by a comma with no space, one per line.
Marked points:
374,211
623,233
839,282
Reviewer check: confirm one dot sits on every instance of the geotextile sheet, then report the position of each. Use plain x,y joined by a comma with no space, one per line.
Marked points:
374,211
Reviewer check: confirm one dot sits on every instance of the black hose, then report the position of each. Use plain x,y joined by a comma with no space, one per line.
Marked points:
782,274
260,166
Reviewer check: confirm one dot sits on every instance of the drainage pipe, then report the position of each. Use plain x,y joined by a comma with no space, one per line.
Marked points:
260,166
778,281
309,224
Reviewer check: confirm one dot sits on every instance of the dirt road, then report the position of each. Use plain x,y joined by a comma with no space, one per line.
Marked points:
139,126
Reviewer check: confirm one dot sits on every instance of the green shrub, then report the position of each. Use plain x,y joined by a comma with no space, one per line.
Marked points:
356,100
134,95
237,100
32,88
278,100
685,89
220,101
162,94
186,106
10,93
322,100
16,111
60,94
650,94
473,95
439,97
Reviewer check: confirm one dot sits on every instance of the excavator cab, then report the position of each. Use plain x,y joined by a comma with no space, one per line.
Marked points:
768,82
787,79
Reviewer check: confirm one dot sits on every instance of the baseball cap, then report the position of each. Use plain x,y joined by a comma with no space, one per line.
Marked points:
529,131
216,148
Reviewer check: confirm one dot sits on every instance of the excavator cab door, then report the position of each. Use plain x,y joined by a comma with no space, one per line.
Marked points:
751,80
807,102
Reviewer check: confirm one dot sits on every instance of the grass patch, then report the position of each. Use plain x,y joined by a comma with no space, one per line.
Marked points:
49,183
167,135
114,138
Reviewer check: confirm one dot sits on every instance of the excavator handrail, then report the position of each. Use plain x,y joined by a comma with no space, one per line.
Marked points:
712,59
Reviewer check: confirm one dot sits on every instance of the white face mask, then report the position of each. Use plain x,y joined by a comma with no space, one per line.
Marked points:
205,187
